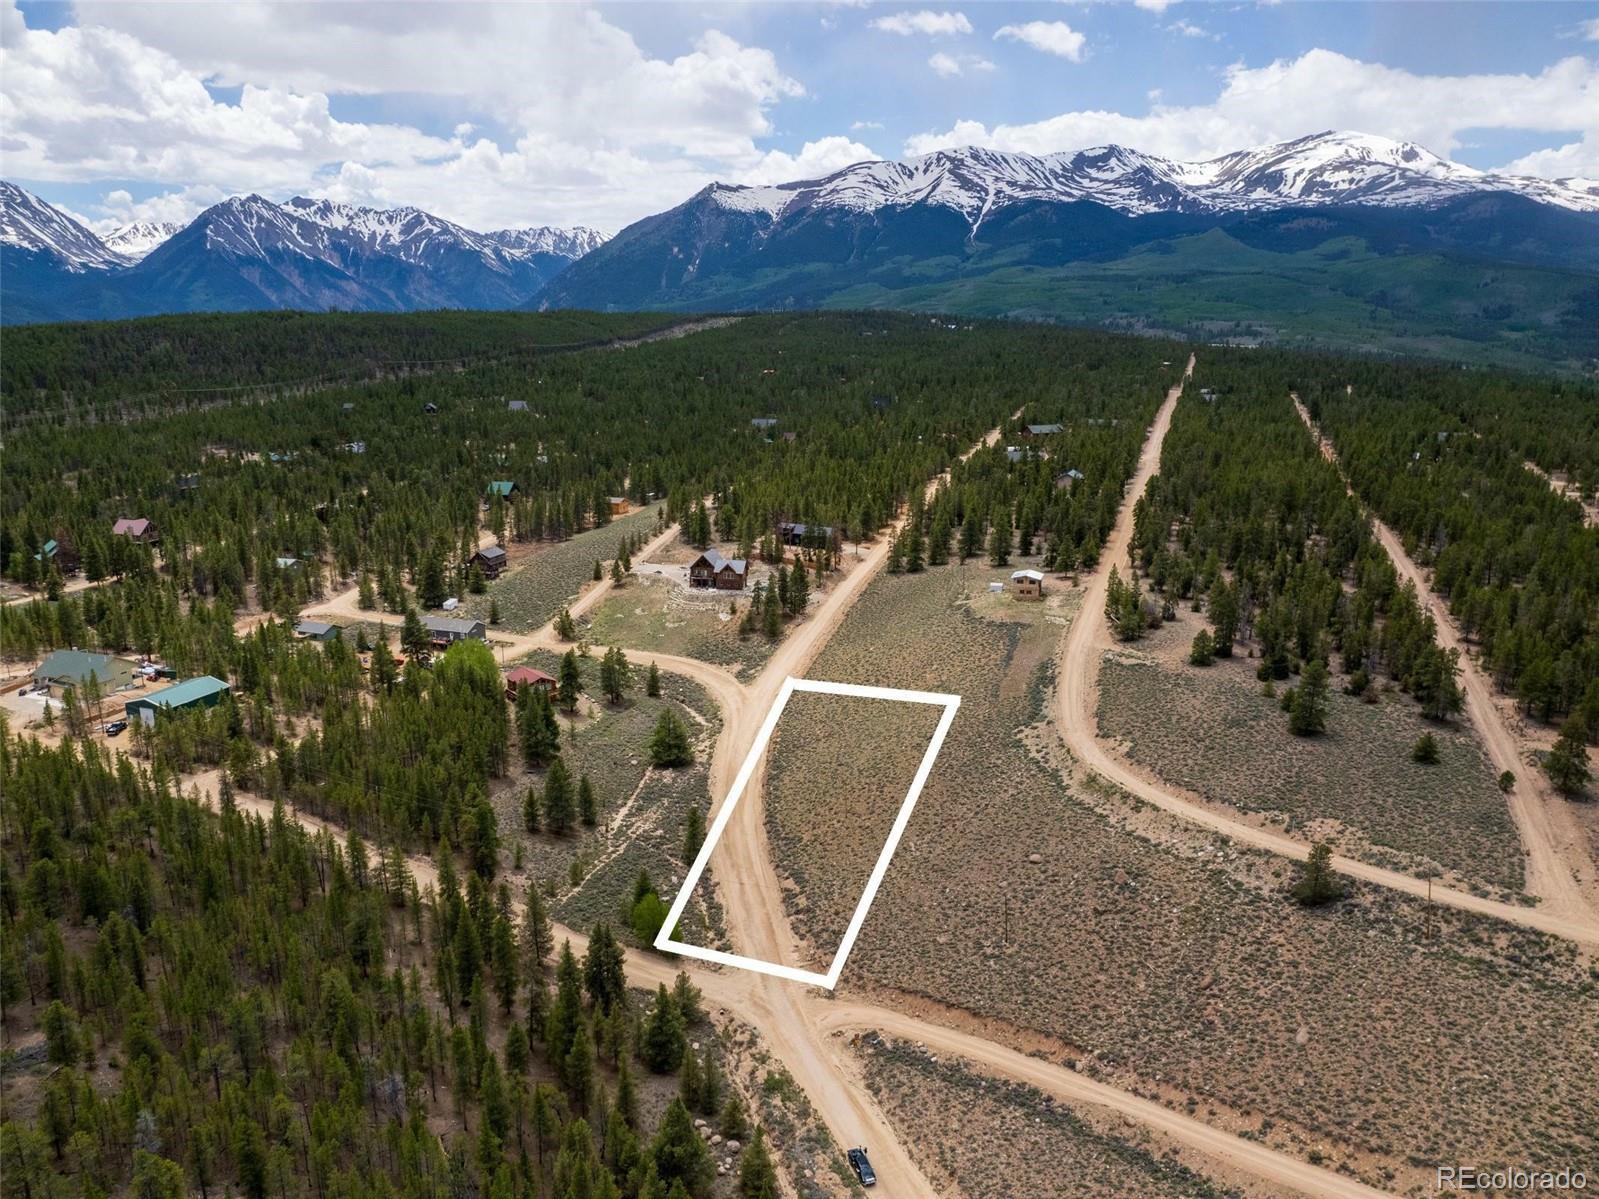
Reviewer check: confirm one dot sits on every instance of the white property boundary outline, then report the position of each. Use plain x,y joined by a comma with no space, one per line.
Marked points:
829,980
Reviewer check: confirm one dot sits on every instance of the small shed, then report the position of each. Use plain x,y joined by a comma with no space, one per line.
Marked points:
1068,478
317,630
527,676
430,408
191,695
1028,584
618,504
491,560
710,569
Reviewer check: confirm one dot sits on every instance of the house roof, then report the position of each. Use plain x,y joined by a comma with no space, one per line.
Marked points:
490,553
314,628
186,692
525,676
799,530
517,406
78,665
1036,576
716,562
1038,430
501,487
765,422
286,563
451,624
136,526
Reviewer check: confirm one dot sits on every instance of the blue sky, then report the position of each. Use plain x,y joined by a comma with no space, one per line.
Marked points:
512,114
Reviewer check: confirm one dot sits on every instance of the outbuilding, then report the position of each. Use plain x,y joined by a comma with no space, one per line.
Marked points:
191,695
1042,430
1029,584
504,488
618,504
710,569
317,630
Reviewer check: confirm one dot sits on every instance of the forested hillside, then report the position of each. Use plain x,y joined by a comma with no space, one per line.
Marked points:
158,364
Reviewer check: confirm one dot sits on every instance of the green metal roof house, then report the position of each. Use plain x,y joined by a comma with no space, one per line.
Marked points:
68,668
203,692
502,488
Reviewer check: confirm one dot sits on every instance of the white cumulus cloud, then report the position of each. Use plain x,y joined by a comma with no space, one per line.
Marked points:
925,22
1052,37
948,66
554,114
1323,89
815,160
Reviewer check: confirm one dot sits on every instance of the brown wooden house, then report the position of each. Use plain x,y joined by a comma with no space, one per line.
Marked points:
710,569
490,560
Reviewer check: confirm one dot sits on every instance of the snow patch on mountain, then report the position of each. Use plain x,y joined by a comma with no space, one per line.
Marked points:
134,241
547,239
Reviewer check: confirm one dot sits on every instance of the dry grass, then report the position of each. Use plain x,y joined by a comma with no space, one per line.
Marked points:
1212,731
1015,1142
826,837
1333,1033
653,613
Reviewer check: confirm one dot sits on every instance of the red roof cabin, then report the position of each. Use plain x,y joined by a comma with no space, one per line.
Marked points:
526,676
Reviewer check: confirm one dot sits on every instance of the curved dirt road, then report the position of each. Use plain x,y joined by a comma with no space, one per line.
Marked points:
1558,867
1077,703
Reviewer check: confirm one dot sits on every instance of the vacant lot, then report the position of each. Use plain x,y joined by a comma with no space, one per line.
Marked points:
655,613
837,773
1015,1142
1339,1033
530,596
590,872
1212,731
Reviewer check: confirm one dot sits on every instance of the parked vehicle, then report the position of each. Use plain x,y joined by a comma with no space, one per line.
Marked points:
116,727
862,1167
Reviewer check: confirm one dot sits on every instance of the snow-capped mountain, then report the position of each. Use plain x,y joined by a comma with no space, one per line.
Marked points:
29,224
893,233
134,241
1322,169
248,252
546,239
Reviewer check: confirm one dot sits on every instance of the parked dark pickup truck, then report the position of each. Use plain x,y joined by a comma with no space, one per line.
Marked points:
862,1167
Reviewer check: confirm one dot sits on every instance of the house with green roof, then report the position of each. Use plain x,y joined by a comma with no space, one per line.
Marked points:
504,488
188,696
68,668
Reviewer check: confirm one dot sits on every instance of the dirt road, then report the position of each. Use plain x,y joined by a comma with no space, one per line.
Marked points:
1077,702
1559,868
